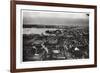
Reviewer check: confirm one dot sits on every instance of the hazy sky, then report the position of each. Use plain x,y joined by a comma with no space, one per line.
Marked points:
55,18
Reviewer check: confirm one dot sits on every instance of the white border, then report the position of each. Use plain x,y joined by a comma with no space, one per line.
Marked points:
37,64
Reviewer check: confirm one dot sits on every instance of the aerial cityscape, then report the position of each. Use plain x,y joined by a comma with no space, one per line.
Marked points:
53,37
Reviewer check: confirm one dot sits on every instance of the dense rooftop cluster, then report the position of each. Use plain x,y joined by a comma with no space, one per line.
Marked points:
60,44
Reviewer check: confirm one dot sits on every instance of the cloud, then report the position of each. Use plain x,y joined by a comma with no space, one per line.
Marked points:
55,18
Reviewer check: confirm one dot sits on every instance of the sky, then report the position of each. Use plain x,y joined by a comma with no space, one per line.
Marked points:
55,18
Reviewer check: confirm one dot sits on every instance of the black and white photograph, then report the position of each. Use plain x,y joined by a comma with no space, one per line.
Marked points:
54,35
